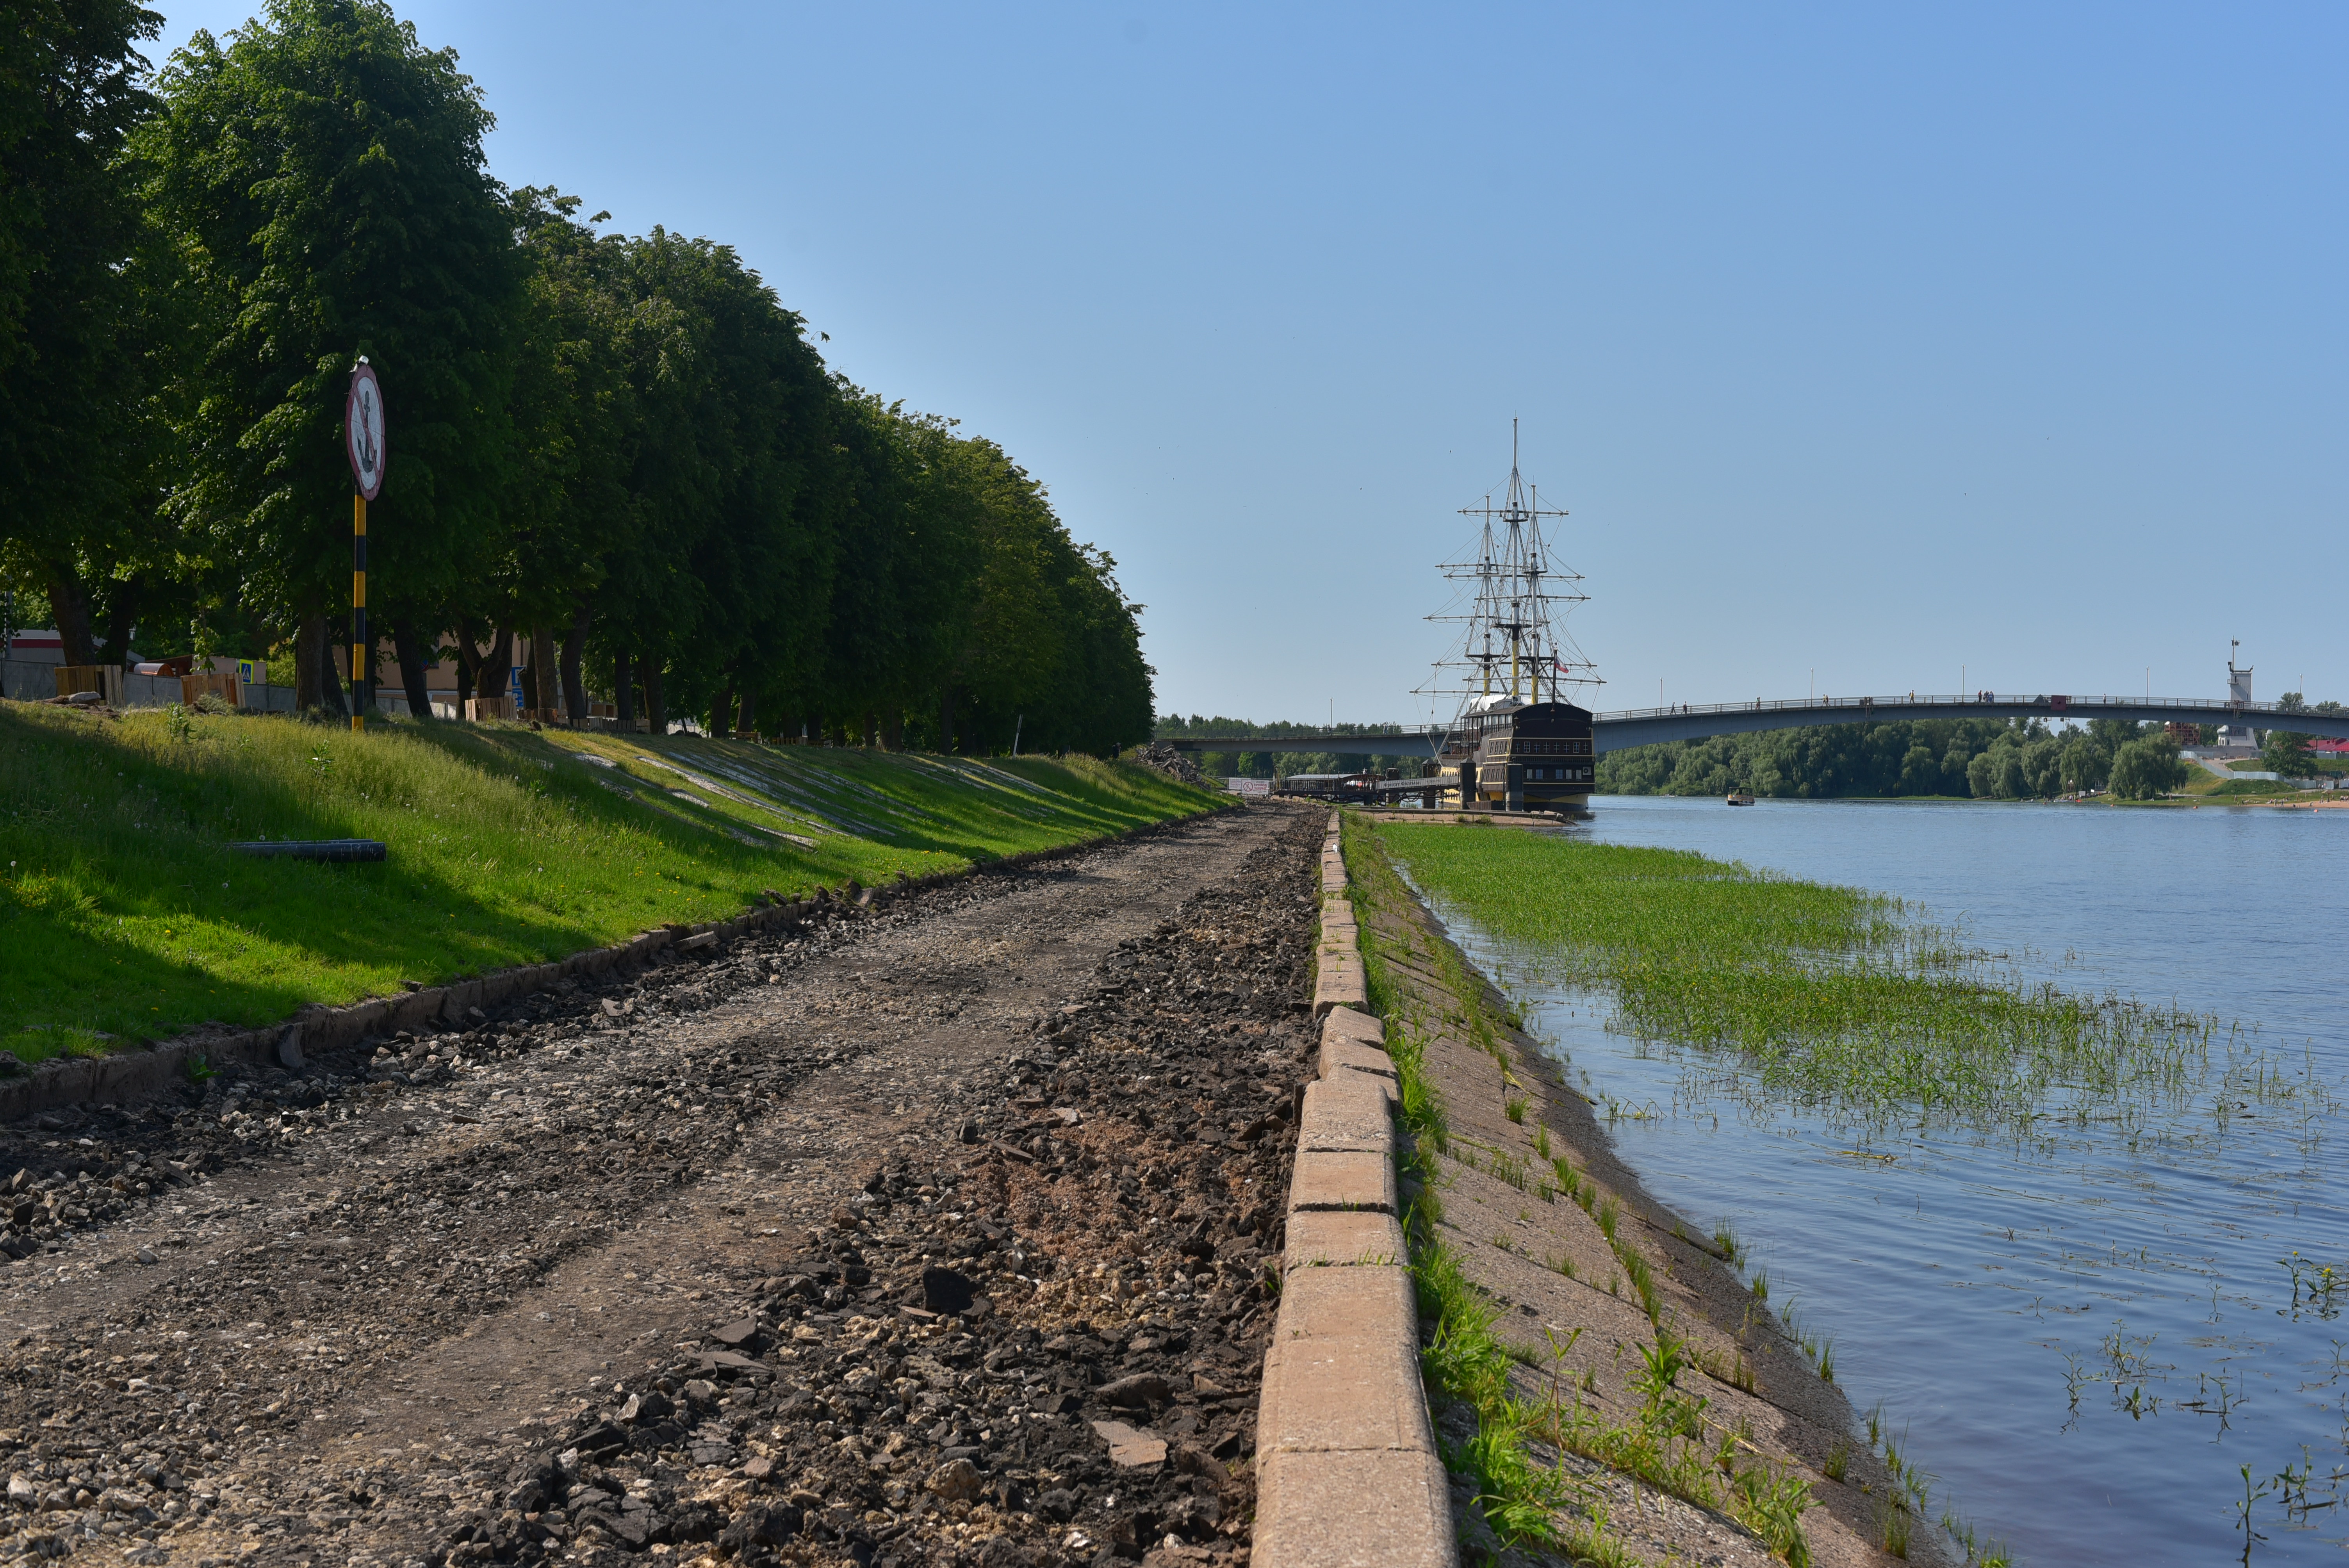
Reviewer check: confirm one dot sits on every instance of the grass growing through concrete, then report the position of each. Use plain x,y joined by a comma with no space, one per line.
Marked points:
1668,1444
124,915
1834,992
1463,1360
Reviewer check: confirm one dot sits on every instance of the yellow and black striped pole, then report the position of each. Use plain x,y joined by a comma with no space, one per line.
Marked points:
363,436
362,667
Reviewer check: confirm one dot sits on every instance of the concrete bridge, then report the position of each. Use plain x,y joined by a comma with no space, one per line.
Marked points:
1695,721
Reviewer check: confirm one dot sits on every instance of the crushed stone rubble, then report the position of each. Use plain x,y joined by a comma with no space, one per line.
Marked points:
1026,1330
1180,766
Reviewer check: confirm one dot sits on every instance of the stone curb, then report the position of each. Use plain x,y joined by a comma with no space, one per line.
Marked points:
128,1076
1347,1470
1343,1056
1347,1114
1381,1509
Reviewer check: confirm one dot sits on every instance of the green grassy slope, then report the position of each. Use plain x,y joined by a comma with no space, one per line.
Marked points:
123,913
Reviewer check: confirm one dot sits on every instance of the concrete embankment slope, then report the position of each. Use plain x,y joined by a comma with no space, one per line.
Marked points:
1688,1423
1347,1471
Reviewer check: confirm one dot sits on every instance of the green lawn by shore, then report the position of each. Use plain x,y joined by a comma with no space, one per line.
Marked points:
126,917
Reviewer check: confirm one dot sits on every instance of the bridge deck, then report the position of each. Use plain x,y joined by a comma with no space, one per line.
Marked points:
1696,721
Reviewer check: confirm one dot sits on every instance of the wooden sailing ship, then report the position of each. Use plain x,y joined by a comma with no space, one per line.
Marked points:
1515,743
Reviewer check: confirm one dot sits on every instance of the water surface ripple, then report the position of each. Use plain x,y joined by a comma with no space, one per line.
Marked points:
2086,1334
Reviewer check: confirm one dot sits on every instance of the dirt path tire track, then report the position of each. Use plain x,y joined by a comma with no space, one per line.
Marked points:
425,1275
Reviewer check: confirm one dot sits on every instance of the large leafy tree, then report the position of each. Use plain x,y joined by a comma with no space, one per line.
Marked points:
2145,769
889,582
324,174
75,457
627,445
765,566
1102,685
999,638
722,585
569,512
2286,754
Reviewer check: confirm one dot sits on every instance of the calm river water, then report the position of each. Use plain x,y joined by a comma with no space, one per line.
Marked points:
2085,1334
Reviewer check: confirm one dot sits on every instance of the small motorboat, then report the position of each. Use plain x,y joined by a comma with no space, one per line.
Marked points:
1741,797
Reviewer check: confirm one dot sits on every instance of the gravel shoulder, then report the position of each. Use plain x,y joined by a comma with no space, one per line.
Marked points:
935,1230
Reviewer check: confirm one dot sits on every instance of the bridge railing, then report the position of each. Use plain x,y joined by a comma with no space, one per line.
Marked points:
1301,732
2064,705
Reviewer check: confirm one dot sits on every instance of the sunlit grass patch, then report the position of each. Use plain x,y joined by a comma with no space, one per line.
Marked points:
124,915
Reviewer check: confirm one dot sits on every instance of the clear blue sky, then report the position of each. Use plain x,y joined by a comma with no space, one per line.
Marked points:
1868,340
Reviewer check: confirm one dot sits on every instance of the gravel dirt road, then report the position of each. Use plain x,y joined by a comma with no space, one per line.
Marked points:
933,1232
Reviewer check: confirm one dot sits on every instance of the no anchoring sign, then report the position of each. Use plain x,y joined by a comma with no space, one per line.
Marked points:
362,430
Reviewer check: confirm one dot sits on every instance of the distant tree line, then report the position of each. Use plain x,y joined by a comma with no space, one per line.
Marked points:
1983,758
1279,764
625,446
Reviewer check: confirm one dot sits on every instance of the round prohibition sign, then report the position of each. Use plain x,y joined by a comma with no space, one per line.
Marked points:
363,434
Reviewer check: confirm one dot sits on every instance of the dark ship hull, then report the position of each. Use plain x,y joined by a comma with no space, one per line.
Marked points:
1522,757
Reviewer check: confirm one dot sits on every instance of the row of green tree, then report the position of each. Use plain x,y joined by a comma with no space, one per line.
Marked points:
625,446
1983,759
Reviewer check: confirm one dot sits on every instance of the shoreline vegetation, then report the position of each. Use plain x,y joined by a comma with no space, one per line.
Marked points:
124,917
1835,996
2111,761
1609,1384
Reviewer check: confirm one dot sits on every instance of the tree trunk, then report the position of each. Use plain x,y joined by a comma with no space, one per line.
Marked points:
309,655
409,648
331,696
945,722
70,607
574,687
469,664
721,714
747,721
497,668
872,730
120,614
656,710
892,730
540,681
624,691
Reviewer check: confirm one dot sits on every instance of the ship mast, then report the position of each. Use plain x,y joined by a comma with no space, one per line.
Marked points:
1510,586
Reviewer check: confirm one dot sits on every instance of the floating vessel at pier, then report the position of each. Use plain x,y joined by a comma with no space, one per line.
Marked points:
1517,742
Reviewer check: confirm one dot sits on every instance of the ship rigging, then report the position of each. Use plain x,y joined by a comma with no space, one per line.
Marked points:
1514,743
1513,645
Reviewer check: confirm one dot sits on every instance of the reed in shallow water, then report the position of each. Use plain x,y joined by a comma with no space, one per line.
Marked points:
1832,993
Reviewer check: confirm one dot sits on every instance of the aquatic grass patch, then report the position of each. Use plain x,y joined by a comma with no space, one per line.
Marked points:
1833,994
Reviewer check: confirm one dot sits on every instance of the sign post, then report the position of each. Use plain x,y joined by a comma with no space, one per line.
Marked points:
363,439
